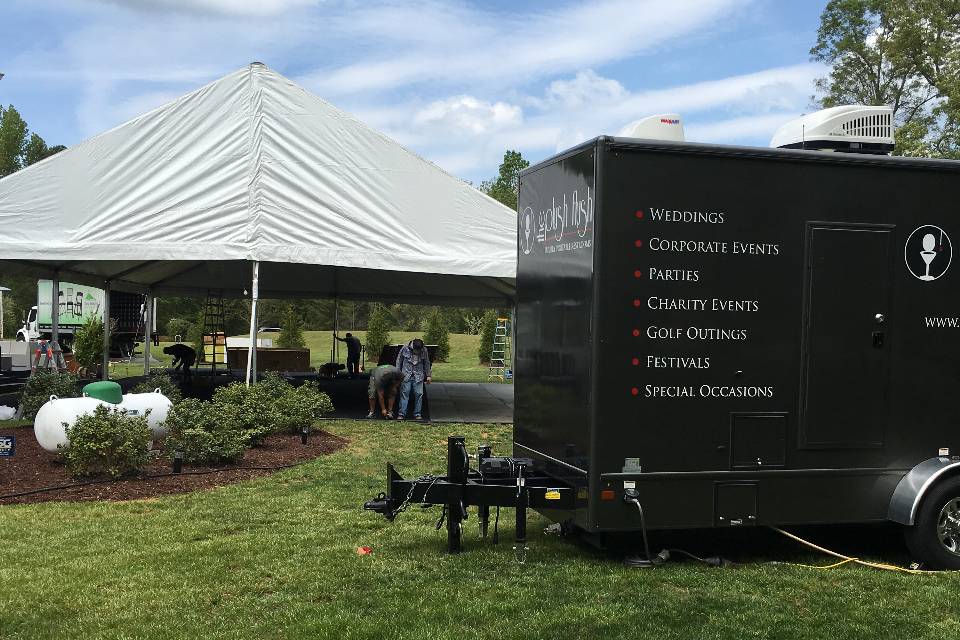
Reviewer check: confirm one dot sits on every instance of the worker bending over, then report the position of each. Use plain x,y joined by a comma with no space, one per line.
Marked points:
384,382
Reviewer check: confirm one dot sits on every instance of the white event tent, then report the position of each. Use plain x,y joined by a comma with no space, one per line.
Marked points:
252,186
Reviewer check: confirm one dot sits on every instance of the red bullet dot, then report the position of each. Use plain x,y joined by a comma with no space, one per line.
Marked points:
638,274
635,391
639,215
635,361
636,302
638,244
636,332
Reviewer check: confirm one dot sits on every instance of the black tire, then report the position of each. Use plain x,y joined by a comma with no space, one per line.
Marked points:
934,538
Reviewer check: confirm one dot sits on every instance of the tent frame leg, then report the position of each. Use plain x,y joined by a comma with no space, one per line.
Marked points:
252,347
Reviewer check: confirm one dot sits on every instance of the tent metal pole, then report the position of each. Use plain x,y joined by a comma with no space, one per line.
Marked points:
252,347
148,320
336,328
54,308
105,374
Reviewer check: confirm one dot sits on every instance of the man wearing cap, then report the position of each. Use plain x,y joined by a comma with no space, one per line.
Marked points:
413,362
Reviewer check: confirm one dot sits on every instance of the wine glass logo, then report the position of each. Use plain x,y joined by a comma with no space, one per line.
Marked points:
526,243
928,253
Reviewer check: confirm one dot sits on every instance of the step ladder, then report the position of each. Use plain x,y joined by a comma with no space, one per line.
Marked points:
214,338
500,365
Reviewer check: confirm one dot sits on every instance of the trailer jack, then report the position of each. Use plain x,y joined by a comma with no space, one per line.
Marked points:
497,482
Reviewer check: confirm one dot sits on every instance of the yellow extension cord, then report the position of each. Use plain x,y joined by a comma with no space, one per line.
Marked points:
847,559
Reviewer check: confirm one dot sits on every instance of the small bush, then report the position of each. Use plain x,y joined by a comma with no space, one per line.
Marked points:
196,430
438,334
487,331
378,332
251,411
88,344
302,406
43,384
180,327
107,442
291,330
160,380
274,385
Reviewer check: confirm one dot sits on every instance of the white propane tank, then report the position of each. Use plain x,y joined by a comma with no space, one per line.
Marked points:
48,426
137,404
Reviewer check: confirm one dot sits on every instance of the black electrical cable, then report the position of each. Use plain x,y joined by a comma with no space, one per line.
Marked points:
74,485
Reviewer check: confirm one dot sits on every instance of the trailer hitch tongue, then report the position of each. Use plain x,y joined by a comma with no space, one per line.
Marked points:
380,504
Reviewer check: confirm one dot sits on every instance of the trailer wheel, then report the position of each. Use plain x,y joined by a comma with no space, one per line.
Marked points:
934,538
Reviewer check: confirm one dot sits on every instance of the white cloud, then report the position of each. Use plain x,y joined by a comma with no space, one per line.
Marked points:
227,7
585,88
466,114
455,45
742,128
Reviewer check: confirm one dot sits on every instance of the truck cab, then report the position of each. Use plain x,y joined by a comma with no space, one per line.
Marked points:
29,330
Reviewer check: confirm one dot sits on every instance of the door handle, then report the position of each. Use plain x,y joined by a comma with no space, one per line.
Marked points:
879,318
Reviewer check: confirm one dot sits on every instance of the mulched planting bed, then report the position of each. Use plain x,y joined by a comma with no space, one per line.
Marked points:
32,468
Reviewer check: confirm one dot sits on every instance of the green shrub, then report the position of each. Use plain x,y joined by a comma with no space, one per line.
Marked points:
160,380
88,344
438,334
487,331
195,429
180,327
291,330
43,384
274,385
378,331
251,412
302,406
107,442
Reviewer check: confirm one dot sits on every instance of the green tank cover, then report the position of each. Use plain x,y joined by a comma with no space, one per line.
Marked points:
104,390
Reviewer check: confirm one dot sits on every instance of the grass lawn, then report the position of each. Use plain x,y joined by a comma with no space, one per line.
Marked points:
276,558
463,364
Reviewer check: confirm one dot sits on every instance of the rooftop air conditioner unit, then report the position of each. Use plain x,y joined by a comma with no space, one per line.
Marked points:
666,126
850,129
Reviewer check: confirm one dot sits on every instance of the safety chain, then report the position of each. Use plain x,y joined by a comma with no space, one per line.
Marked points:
413,487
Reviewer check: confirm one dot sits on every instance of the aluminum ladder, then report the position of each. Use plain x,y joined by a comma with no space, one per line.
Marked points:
500,366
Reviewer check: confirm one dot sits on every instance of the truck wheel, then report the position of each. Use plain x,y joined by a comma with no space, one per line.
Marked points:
934,538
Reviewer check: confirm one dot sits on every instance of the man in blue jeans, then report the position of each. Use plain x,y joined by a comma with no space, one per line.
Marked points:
413,362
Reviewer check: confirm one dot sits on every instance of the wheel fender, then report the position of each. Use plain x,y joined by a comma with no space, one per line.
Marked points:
914,486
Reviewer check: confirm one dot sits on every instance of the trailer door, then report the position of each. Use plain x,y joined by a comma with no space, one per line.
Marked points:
846,341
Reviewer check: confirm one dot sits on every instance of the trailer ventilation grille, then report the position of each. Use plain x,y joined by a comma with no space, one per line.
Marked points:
873,126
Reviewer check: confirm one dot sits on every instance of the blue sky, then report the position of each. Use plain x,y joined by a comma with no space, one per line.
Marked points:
458,82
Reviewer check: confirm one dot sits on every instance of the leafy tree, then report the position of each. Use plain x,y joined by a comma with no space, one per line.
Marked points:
438,334
487,331
506,185
13,140
35,150
291,331
88,344
901,53
378,331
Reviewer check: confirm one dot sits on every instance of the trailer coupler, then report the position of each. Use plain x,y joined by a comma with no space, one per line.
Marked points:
497,482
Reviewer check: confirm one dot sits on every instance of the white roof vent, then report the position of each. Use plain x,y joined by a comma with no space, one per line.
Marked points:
666,126
853,129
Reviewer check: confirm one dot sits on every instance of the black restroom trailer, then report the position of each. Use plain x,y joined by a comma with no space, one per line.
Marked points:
712,336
